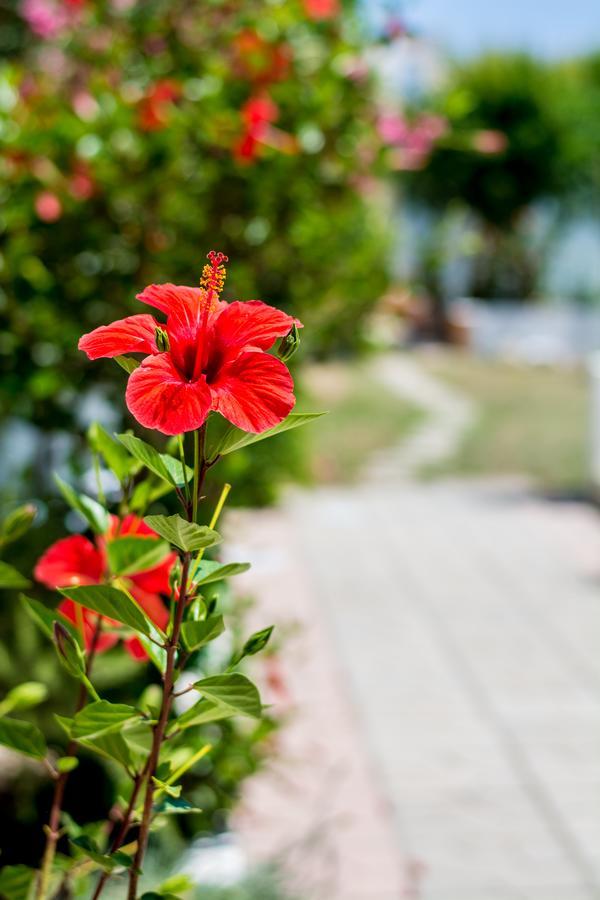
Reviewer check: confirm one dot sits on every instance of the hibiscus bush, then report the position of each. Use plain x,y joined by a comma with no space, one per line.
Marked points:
132,131
148,585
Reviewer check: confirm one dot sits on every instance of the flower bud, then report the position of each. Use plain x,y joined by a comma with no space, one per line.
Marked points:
17,523
175,575
162,339
289,344
69,651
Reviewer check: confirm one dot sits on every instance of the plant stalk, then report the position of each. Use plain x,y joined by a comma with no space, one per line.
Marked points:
53,827
169,677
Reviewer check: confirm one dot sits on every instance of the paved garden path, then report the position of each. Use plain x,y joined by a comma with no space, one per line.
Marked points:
442,677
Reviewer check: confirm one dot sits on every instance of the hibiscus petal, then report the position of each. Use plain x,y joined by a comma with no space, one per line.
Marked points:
135,334
250,324
170,298
136,649
72,560
68,609
254,392
152,605
156,580
160,398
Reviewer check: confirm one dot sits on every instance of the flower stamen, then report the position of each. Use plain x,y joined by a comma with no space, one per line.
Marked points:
213,275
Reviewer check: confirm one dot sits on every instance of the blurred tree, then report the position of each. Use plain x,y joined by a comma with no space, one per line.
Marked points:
504,150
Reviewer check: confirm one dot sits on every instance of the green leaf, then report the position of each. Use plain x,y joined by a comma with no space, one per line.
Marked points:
208,571
157,655
147,455
66,764
112,746
17,523
108,601
257,642
173,790
130,554
197,634
24,696
232,692
162,464
106,861
201,713
127,363
234,438
11,577
179,883
188,536
92,511
175,806
175,468
16,882
154,895
116,457
45,618
23,737
102,718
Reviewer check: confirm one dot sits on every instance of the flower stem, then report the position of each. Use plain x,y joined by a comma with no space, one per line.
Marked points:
196,475
52,829
159,732
172,648
122,832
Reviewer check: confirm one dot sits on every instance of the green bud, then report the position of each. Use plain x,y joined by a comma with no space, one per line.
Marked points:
69,651
257,642
17,523
66,764
289,344
162,339
24,696
175,575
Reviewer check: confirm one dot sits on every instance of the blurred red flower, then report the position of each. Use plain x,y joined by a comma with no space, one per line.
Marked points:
257,115
321,9
257,60
210,356
81,182
154,109
76,560
48,206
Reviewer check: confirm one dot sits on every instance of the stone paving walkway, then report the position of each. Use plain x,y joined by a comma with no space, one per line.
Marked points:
444,692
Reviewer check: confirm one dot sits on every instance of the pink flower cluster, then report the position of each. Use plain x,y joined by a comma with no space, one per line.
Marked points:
412,141
48,19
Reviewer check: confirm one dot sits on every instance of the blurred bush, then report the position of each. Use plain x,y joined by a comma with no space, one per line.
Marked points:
137,136
134,138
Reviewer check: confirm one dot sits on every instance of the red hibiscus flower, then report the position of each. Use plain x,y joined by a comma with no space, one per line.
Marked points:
257,115
76,560
211,357
322,9
154,110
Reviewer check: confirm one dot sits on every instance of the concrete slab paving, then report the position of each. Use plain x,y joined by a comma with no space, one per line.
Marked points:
443,688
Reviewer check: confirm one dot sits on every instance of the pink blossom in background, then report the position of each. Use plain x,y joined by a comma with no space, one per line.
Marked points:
489,141
392,128
81,182
50,18
412,141
84,105
48,207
